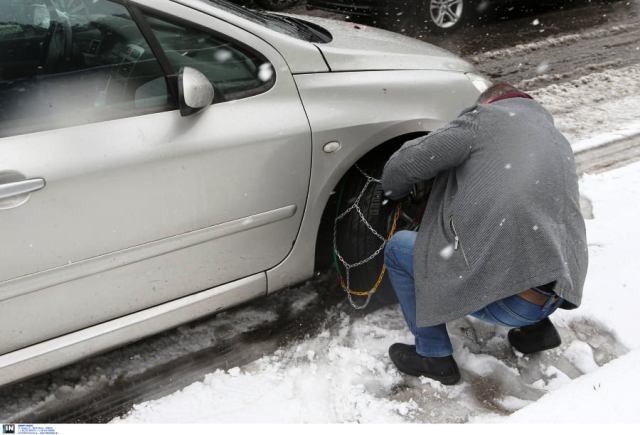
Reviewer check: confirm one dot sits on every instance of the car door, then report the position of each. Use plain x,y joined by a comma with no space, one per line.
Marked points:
110,200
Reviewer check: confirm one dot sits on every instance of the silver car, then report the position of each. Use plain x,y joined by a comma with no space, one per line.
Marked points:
163,160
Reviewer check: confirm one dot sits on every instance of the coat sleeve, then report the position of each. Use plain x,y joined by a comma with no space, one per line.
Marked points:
421,159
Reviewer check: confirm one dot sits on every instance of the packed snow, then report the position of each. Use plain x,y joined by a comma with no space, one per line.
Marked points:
343,374
595,108
522,50
605,396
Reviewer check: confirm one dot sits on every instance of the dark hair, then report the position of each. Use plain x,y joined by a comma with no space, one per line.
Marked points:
496,90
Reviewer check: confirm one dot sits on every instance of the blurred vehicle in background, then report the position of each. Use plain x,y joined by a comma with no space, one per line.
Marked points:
438,15
274,5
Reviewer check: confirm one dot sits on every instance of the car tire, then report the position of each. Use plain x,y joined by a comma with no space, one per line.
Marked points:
418,18
276,5
354,240
448,17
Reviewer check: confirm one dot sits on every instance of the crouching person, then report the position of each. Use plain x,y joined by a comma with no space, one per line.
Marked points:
502,238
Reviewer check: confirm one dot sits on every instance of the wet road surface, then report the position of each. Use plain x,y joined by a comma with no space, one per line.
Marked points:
105,386
533,45
561,45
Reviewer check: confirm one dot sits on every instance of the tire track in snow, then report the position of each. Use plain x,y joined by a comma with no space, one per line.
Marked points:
563,58
553,41
587,106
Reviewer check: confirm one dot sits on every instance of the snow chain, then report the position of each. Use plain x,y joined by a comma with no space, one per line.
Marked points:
345,282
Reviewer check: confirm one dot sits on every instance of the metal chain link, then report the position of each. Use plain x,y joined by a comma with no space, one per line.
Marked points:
346,285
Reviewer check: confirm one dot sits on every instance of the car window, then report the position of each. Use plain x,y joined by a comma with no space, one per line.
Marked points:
234,70
66,62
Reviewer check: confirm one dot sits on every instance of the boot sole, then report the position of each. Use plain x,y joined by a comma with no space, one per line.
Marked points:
446,380
549,346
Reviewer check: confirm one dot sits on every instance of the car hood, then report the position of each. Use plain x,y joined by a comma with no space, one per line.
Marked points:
356,47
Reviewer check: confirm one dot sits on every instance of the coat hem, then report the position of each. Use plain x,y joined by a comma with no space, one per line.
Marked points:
515,288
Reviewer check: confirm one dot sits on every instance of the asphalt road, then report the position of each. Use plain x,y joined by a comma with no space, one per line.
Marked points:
529,48
533,44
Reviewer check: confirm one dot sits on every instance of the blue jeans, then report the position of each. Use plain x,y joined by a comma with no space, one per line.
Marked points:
434,341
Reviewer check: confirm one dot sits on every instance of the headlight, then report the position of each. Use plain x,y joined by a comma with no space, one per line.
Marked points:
480,82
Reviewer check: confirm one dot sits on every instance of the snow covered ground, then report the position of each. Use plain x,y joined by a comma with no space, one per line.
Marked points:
595,108
612,298
343,373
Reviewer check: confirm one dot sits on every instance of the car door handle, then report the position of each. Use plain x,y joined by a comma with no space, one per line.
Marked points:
19,188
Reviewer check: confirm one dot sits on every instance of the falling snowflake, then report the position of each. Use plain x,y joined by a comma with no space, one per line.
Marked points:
222,55
265,72
446,252
543,67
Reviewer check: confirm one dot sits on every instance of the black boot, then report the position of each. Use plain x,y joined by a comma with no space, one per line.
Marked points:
443,369
535,338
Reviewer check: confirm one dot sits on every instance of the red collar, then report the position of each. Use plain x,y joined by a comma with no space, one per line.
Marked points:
514,94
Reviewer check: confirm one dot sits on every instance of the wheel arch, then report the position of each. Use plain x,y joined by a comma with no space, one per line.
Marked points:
311,252
324,232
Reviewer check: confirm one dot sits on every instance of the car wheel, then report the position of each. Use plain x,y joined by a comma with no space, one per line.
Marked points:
356,240
276,5
443,16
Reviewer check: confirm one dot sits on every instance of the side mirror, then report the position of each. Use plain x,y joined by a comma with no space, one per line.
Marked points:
195,91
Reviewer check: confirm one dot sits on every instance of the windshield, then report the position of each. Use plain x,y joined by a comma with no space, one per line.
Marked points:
290,26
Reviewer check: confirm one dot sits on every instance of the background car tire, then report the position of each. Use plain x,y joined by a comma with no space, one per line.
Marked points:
276,5
416,18
356,242
446,16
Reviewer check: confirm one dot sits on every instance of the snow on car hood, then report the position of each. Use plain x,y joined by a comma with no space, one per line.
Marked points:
359,47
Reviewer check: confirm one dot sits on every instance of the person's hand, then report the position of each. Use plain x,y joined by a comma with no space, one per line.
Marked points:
412,197
413,194
389,200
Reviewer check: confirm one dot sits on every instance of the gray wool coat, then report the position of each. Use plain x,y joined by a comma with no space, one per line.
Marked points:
503,215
